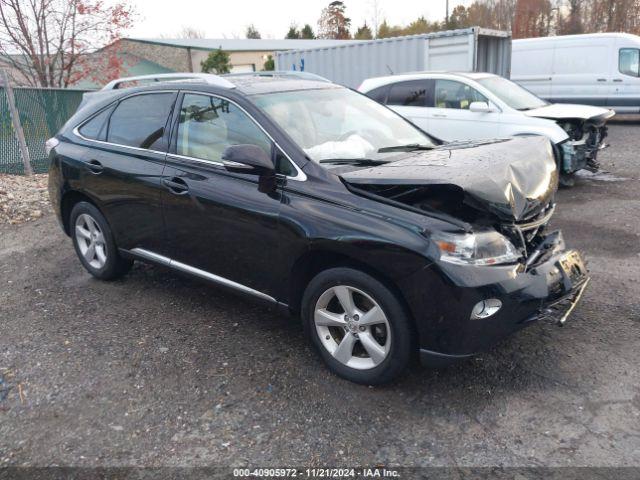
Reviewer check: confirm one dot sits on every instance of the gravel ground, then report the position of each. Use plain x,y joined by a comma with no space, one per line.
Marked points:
23,198
159,370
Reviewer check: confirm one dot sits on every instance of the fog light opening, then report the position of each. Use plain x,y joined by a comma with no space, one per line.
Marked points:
485,308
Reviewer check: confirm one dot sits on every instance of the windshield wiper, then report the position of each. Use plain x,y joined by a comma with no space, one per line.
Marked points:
410,147
353,161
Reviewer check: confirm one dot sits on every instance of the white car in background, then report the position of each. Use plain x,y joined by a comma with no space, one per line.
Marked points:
474,106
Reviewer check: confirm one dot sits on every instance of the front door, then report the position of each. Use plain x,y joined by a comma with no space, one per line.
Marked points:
217,221
625,93
450,118
409,99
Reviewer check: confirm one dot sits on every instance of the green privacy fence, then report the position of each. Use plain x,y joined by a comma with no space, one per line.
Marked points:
42,112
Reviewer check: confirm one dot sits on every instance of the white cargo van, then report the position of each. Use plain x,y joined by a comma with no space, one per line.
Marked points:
601,69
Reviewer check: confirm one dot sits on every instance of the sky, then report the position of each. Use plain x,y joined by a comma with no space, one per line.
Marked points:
229,19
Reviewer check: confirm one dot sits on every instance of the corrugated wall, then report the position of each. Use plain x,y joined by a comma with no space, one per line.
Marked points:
350,64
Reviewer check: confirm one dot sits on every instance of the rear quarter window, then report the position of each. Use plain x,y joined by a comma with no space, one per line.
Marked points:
96,127
379,94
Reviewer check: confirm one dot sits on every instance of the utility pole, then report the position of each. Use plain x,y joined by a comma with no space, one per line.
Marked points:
15,120
446,16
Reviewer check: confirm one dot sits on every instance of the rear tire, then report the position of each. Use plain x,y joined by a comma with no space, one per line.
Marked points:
94,243
368,341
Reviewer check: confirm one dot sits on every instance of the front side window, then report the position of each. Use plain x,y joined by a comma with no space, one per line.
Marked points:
140,121
408,94
338,123
208,125
96,128
629,61
452,94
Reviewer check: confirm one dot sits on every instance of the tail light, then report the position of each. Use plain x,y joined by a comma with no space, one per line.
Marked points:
50,145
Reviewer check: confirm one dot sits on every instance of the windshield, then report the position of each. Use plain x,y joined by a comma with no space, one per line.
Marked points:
337,123
511,93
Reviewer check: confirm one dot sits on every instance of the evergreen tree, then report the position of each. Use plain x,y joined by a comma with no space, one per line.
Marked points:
216,62
364,33
307,32
252,32
293,32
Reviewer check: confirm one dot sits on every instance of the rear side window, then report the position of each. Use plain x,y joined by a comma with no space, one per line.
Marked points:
629,61
140,121
379,94
209,124
408,94
96,128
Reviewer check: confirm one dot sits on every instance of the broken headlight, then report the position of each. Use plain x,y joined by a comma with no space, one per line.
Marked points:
481,248
574,130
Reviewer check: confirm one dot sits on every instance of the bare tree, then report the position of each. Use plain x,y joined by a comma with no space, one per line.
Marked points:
47,42
191,32
376,14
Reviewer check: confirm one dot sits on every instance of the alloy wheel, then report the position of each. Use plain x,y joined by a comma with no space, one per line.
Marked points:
352,327
90,241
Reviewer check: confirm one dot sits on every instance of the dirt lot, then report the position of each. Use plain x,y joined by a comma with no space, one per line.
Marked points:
159,370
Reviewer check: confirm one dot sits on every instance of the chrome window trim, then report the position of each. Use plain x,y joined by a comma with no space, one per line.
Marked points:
169,262
300,175
214,163
76,130
77,133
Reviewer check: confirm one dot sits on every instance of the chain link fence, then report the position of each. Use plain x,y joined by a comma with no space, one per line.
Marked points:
42,113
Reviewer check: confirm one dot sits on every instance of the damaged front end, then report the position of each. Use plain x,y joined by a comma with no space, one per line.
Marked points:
580,150
502,267
586,127
505,186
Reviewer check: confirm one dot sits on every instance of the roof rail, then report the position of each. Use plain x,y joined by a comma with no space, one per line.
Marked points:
209,78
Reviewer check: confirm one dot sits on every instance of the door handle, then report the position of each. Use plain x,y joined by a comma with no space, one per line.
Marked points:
95,166
617,80
603,80
439,115
175,185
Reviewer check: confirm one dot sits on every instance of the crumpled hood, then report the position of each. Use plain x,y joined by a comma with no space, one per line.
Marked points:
512,178
560,111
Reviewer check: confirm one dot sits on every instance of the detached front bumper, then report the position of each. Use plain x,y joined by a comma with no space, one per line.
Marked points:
549,289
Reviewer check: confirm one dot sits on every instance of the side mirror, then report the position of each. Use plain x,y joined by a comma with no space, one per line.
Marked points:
480,107
246,158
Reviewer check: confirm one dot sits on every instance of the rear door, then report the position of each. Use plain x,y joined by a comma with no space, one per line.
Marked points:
124,166
451,118
221,223
410,99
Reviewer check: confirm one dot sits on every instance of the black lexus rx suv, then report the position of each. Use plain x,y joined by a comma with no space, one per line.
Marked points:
314,198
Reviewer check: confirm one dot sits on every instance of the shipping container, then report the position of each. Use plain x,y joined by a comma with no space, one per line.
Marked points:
472,49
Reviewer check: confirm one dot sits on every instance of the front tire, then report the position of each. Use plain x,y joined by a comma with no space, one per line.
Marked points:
94,243
567,180
358,325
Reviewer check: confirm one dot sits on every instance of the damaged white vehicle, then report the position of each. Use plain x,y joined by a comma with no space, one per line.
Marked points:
472,106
